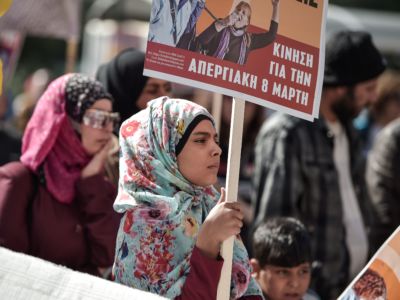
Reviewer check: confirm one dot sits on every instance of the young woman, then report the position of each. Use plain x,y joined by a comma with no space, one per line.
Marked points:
174,220
56,203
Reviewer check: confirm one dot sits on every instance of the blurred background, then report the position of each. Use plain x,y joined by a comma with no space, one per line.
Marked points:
42,39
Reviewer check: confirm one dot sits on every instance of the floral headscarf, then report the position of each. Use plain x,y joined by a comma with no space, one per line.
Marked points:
163,211
50,143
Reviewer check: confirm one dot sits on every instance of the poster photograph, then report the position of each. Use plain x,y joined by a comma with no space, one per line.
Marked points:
269,52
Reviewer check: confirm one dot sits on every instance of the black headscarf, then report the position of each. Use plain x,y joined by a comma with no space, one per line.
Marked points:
123,79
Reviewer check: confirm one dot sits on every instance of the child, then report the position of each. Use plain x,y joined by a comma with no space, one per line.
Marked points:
282,259
173,225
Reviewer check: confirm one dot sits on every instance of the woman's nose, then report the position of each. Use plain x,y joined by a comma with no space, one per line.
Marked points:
217,151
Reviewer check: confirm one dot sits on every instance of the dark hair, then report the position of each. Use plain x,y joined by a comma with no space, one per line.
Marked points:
283,242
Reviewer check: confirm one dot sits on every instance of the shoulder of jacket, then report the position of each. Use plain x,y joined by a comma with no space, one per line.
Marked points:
281,123
16,171
392,129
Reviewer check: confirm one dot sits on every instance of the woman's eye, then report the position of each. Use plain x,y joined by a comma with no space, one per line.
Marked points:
151,90
200,141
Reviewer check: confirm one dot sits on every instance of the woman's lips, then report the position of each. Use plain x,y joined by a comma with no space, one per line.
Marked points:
214,166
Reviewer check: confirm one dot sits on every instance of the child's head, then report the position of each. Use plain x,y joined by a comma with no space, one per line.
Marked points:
282,258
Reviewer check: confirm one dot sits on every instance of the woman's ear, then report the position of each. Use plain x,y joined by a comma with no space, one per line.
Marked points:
256,268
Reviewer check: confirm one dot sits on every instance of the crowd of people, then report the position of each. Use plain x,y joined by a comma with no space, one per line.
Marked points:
118,178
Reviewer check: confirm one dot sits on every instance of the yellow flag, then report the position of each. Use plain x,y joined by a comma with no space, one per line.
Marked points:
4,6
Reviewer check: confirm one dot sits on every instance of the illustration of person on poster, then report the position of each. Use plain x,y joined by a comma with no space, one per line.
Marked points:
229,39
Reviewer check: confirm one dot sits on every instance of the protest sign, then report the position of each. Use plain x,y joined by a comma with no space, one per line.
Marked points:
276,61
380,279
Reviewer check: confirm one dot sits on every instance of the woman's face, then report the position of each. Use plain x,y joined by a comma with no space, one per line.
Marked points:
154,88
94,139
243,12
199,159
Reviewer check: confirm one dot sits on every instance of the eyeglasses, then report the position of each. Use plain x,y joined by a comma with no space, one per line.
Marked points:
100,119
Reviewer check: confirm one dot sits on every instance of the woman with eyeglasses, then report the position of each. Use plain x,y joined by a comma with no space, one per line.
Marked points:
56,203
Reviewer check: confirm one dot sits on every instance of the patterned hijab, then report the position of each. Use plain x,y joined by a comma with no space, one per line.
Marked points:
163,211
50,144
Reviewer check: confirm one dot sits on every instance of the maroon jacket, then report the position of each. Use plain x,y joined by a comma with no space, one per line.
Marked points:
80,235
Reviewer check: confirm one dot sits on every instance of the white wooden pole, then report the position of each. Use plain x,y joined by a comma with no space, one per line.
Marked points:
216,110
232,182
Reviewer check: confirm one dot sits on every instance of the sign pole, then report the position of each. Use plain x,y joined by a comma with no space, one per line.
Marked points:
232,182
216,110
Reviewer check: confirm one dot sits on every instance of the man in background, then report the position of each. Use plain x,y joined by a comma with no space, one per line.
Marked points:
315,171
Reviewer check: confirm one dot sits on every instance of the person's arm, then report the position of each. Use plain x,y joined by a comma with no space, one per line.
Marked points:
275,11
203,278
202,281
95,197
261,40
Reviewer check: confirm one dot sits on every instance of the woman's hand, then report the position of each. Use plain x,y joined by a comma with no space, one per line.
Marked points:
96,165
223,221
